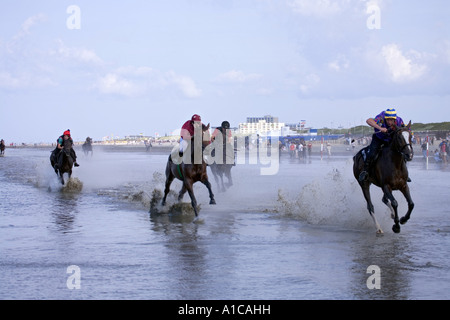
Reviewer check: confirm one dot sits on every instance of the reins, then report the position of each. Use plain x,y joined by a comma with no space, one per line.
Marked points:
400,149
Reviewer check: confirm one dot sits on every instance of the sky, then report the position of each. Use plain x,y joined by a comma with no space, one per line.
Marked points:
118,68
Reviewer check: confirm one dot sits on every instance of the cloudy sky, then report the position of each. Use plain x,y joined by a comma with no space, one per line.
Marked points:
120,68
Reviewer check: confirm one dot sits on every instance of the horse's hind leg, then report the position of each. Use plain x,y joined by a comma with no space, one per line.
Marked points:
169,179
366,192
407,195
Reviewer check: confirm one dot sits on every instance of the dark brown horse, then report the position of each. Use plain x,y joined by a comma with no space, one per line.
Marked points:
2,147
223,165
87,147
191,169
66,163
389,172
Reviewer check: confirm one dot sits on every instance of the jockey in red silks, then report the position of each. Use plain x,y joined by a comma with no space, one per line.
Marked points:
188,131
60,145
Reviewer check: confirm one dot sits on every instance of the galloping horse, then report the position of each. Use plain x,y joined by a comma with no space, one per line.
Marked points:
389,172
190,172
2,147
224,166
87,147
67,161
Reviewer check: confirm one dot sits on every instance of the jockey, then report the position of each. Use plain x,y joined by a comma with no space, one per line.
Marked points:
381,123
188,130
224,129
60,145
227,142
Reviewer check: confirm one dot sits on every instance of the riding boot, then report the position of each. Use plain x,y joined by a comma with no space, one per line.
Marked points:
74,157
367,163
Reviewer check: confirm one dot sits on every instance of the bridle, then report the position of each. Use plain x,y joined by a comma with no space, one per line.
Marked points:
400,149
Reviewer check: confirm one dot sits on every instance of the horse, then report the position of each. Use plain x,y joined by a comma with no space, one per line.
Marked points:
87,147
67,161
389,172
223,167
189,172
2,148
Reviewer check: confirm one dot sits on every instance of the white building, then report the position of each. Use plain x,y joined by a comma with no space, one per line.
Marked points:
261,127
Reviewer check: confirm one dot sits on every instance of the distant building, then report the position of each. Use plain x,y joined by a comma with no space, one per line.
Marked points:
268,119
266,125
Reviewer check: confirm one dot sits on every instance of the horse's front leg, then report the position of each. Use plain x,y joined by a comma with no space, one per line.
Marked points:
388,194
388,204
228,174
182,192
211,194
407,195
223,189
188,185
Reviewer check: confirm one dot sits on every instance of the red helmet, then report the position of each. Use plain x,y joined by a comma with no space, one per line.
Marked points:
67,133
196,117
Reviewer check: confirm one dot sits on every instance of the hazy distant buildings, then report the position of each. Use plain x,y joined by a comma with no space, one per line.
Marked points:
268,119
266,125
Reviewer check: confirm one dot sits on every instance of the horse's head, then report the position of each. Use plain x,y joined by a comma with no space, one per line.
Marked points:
401,142
206,136
67,147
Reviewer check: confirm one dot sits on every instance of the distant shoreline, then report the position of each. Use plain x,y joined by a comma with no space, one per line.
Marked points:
338,148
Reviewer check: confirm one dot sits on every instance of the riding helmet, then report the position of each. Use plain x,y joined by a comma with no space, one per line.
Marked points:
225,125
390,114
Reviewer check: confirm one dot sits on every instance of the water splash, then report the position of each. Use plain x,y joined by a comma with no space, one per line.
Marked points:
334,199
73,185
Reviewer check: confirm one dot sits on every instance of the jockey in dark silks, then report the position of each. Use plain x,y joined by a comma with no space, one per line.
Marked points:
227,141
59,146
227,138
382,123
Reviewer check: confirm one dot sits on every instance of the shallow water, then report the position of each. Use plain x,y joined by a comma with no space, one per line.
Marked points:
301,234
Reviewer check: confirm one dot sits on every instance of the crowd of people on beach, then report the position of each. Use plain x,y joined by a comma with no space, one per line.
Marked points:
439,154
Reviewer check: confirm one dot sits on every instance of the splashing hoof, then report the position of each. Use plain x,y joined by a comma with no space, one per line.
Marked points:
396,228
403,220
212,201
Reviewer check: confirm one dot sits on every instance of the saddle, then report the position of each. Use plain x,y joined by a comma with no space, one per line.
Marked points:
178,167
